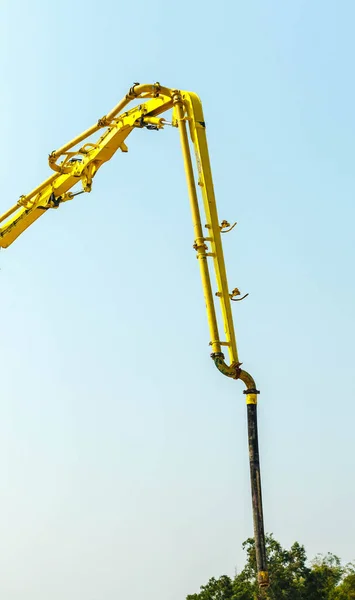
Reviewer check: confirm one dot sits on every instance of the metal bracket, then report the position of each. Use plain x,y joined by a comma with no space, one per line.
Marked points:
236,292
232,295
225,227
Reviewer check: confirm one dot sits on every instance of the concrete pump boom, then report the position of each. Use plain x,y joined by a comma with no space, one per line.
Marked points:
73,164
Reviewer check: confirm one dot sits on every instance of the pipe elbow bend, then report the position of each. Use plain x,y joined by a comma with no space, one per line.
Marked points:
234,372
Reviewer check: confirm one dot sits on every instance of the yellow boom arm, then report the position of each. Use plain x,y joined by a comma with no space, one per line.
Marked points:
78,161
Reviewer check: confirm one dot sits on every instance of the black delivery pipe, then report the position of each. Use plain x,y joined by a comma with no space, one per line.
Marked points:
255,481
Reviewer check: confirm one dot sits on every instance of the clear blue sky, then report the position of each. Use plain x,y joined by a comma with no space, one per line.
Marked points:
123,452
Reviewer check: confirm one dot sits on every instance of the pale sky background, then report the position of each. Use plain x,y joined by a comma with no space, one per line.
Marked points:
123,458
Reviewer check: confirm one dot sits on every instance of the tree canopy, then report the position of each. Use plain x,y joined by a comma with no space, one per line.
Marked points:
292,577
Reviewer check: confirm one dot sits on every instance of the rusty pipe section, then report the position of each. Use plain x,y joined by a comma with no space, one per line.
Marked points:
255,482
235,372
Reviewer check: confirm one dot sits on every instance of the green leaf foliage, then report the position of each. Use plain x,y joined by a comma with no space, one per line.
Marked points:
292,577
